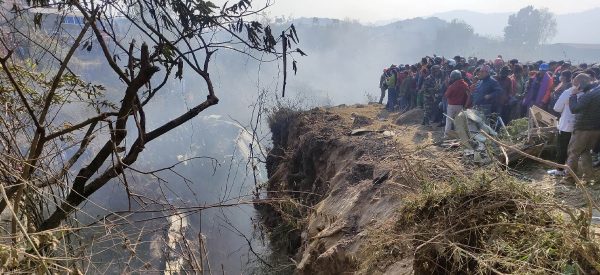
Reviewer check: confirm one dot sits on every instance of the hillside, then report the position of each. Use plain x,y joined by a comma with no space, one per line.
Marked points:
392,201
569,26
486,24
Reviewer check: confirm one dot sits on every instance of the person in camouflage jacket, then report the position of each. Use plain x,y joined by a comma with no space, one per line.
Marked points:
431,87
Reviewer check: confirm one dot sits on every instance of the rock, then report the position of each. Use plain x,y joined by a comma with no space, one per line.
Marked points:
414,116
389,133
361,121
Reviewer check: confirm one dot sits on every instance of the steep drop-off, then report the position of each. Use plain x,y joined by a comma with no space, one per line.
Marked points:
344,188
387,200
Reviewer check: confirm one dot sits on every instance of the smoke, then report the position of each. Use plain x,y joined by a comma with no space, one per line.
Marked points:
344,63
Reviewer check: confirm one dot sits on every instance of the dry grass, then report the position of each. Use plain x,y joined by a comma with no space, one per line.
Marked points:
490,224
495,224
458,218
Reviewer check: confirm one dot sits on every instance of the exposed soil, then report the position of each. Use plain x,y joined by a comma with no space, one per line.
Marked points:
345,191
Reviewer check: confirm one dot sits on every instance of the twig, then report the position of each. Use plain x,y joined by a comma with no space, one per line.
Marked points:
578,181
23,230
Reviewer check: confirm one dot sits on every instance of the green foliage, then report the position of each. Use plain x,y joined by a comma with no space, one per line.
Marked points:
35,83
517,129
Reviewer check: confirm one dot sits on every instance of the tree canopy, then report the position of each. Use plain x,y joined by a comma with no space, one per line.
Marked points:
530,27
455,37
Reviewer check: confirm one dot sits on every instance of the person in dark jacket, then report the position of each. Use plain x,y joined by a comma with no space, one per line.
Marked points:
487,91
507,97
519,78
400,76
423,74
412,91
431,86
405,93
587,122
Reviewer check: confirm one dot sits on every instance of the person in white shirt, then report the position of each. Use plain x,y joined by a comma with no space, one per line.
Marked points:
566,123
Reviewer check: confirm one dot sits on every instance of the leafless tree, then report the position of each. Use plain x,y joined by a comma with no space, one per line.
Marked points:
40,80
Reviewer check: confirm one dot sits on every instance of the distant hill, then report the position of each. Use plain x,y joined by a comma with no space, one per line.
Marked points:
571,27
581,27
486,24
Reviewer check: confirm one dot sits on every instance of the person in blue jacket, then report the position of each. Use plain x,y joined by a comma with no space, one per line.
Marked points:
487,91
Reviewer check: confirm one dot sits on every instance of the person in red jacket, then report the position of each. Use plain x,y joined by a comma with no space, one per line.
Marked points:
456,94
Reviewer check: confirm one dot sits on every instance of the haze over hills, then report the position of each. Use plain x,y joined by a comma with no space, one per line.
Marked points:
345,57
572,27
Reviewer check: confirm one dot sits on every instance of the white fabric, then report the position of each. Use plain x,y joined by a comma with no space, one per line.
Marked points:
566,123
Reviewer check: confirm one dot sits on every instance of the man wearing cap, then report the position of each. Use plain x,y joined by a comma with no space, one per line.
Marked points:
540,88
487,91
431,86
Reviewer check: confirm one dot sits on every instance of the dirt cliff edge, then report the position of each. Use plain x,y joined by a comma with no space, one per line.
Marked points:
343,198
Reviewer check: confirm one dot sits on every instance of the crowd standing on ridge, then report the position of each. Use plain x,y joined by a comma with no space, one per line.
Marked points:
504,91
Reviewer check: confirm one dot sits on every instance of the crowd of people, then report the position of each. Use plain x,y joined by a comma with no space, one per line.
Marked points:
504,91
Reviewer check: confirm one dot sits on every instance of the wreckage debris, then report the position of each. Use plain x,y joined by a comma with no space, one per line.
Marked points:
362,131
470,128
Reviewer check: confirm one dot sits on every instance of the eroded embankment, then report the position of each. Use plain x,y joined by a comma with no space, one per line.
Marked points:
388,201
343,189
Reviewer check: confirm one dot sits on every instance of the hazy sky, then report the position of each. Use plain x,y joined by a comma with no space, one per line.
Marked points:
376,10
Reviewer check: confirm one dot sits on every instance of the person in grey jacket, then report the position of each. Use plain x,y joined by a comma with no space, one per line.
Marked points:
587,123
